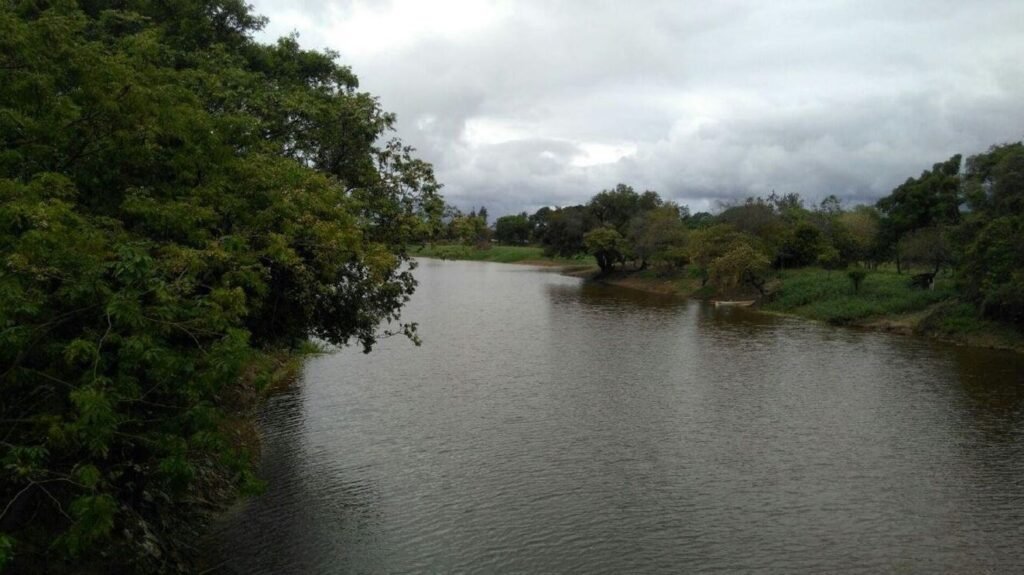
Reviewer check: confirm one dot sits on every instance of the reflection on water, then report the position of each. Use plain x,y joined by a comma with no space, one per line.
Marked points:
548,425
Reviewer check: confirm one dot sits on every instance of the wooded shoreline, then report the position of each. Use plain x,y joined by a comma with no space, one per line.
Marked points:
941,317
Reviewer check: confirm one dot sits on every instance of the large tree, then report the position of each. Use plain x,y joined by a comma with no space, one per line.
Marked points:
607,246
654,232
175,198
618,206
563,230
514,229
932,199
991,271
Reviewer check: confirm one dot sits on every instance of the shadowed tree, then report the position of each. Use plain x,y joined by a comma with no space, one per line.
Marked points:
513,230
607,246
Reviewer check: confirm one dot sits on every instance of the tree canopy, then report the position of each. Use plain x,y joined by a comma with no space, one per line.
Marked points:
175,198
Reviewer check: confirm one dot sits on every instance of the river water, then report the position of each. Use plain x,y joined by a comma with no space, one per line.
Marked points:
548,425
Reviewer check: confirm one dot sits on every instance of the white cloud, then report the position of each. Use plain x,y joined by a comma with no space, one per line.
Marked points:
526,103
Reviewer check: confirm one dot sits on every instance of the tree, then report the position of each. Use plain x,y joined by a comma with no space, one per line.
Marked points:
933,199
829,258
800,246
995,180
653,232
928,247
513,230
539,224
565,229
741,264
831,206
177,201
700,220
856,278
472,230
755,217
858,233
618,206
708,244
991,269
607,246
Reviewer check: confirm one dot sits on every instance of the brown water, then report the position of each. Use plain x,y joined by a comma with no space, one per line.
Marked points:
552,426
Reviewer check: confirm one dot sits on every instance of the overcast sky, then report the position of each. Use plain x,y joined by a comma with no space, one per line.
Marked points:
522,103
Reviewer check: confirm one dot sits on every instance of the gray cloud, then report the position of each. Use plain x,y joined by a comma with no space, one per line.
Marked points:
533,103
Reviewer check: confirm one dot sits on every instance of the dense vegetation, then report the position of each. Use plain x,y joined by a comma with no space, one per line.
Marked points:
958,228
177,202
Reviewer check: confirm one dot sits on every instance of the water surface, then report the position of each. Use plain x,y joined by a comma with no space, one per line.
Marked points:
547,425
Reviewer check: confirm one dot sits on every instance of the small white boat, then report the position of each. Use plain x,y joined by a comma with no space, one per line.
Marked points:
739,303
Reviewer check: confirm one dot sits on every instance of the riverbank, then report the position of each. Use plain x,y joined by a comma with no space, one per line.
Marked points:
527,255
220,487
884,302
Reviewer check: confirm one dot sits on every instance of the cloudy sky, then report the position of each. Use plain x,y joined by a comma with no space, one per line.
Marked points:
525,103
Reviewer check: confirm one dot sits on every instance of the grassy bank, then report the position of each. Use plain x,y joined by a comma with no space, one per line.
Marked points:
532,255
885,300
267,373
830,297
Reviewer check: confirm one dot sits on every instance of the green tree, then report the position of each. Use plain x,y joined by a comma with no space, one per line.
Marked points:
708,244
927,247
653,232
539,224
513,230
607,246
176,201
859,233
564,231
991,269
856,278
933,199
471,229
800,245
741,264
617,207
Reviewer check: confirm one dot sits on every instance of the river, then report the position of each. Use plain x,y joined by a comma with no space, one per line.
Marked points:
547,425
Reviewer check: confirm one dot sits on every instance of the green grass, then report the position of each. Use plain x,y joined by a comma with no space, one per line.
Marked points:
498,254
961,322
818,294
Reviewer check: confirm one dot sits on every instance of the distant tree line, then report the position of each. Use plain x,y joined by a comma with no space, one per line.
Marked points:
961,217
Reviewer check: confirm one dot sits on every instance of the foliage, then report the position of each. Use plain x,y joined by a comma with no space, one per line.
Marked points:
857,233
992,267
856,278
656,232
708,244
617,207
741,264
513,230
564,231
607,246
471,229
819,295
174,199
501,254
927,247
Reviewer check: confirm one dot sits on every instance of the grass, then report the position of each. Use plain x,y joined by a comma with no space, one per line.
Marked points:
885,300
960,322
498,254
829,296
